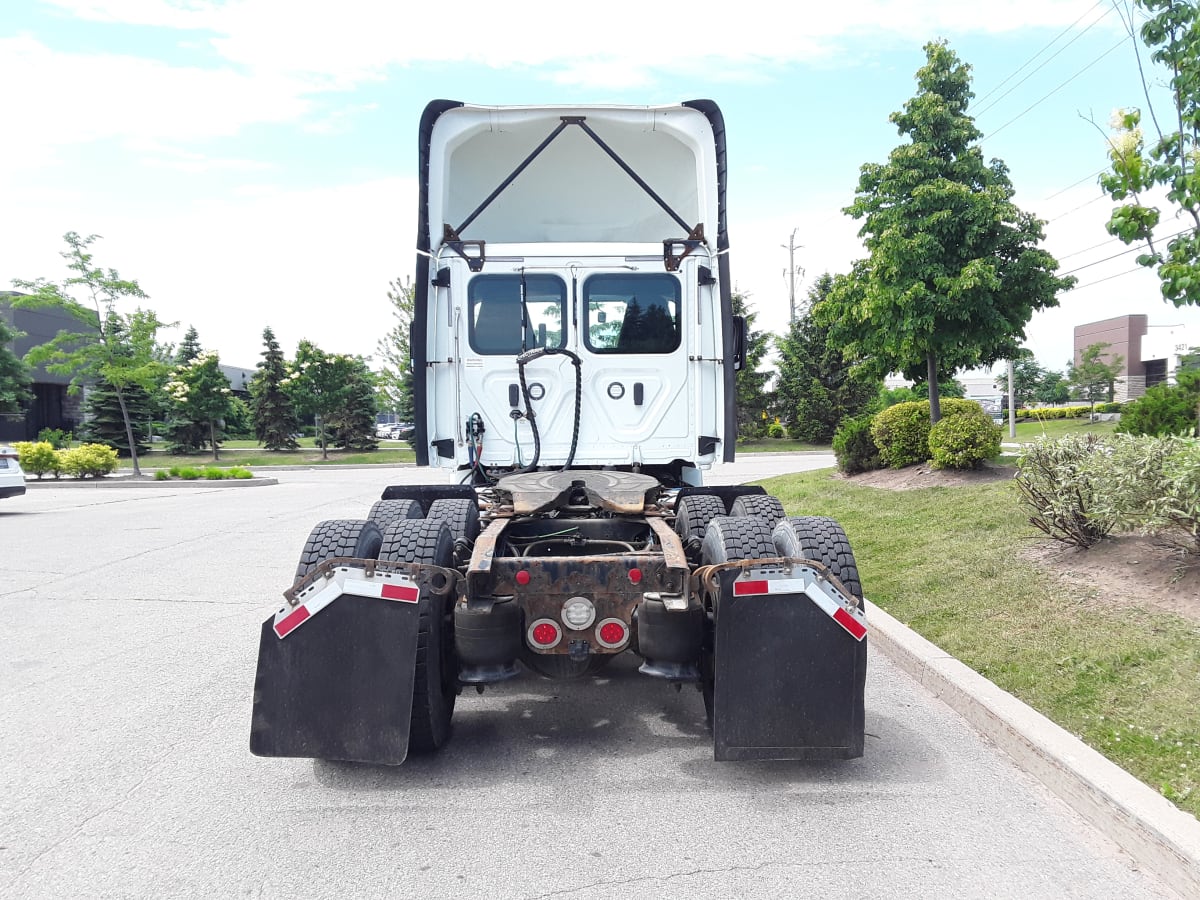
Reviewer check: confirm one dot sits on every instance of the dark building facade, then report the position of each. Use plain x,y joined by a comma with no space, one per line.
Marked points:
52,406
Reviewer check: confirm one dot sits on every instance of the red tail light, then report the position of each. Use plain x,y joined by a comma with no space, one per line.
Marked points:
612,633
544,634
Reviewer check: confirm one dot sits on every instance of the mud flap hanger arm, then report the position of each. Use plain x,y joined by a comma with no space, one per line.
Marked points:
474,253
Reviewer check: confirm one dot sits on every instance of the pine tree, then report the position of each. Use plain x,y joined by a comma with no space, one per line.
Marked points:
104,422
817,387
354,423
183,434
190,348
275,420
752,396
14,374
202,395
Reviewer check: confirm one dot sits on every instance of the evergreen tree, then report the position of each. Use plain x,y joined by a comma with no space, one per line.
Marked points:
184,434
395,375
752,396
275,420
104,422
817,387
14,374
190,348
353,423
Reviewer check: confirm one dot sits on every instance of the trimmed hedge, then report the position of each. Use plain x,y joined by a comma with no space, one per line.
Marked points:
964,440
901,432
854,447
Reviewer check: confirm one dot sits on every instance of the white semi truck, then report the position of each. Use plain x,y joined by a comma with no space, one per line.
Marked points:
574,353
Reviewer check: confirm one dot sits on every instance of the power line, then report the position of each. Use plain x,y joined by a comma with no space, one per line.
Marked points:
1076,184
1086,249
1057,89
1080,287
1051,59
1078,208
1165,237
1054,41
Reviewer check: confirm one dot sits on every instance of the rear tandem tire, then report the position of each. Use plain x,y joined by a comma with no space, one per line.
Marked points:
435,687
692,515
764,506
385,512
729,539
822,540
460,514
356,538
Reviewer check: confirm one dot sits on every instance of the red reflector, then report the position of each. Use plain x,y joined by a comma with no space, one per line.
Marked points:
851,624
545,633
400,592
291,620
635,575
612,632
522,577
744,588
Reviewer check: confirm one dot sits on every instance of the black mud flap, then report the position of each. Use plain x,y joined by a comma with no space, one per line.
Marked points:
789,679
340,686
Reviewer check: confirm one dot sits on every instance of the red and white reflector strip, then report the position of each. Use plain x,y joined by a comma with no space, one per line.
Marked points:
849,617
318,595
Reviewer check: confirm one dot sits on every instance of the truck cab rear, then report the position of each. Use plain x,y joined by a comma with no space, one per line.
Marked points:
574,354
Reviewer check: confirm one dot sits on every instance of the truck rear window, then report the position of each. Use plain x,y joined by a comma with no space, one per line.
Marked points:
496,313
632,313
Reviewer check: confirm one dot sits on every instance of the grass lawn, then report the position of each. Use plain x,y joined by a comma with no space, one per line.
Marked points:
249,454
1031,430
778,445
947,562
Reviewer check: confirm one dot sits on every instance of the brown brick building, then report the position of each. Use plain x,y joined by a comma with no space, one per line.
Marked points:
1149,352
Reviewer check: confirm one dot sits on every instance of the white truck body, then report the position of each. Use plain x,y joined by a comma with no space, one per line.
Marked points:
612,235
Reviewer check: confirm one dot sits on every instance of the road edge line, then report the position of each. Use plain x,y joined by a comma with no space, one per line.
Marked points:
1163,839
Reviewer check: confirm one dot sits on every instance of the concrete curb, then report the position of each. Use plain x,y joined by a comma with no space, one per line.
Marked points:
1161,838
128,481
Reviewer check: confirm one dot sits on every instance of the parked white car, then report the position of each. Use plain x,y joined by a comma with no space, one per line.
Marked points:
12,479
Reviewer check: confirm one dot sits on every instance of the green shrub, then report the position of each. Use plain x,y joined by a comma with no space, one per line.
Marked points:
56,438
213,474
854,446
901,433
162,475
1163,409
1153,486
775,430
88,461
38,459
1109,407
1064,482
238,472
963,440
187,473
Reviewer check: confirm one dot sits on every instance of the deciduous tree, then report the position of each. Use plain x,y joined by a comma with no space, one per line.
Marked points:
117,347
1094,377
201,395
955,271
1167,158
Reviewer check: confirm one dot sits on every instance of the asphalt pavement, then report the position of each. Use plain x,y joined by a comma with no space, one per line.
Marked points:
129,623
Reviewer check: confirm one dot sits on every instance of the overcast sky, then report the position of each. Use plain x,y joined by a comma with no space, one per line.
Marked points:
253,162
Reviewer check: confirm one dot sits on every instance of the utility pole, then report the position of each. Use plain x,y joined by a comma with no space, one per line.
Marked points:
791,273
